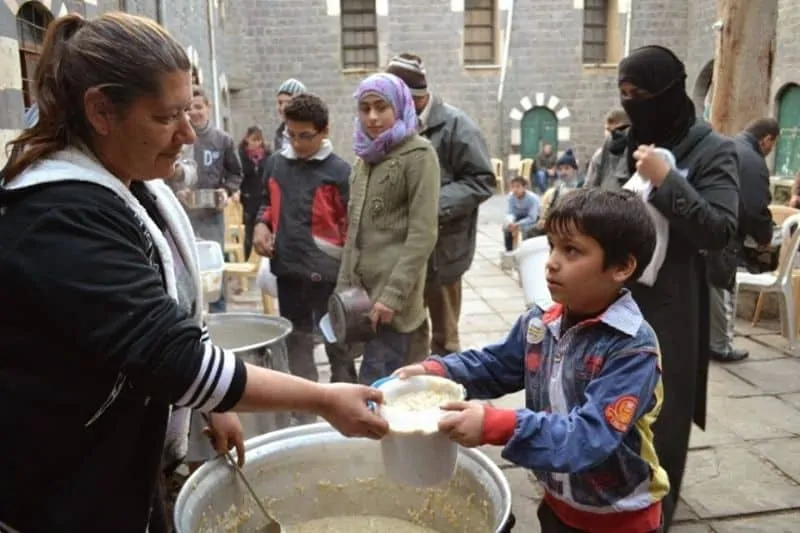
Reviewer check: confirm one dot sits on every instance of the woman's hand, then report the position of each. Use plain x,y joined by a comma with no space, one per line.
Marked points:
380,314
344,406
650,165
465,425
225,431
410,371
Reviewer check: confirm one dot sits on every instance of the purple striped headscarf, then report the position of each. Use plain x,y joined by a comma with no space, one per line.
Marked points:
396,93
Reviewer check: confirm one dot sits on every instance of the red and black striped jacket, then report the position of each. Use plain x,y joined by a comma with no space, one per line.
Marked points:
306,209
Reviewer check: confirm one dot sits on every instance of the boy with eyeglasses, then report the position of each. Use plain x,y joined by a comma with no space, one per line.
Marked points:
302,227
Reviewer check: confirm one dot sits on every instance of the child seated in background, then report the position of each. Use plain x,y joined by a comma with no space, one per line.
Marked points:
522,213
590,367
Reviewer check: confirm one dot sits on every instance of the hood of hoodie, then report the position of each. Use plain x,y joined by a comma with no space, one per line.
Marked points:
325,150
78,164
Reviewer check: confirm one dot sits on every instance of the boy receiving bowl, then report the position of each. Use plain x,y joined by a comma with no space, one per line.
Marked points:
590,368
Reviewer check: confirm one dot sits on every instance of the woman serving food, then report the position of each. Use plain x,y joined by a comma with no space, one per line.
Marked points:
96,346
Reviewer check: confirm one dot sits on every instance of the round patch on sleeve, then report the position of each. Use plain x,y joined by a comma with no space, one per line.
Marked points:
535,333
620,413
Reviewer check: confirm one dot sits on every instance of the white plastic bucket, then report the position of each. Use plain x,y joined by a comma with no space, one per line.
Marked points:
211,267
415,452
531,259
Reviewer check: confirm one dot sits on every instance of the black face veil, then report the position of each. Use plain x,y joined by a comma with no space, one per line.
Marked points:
665,117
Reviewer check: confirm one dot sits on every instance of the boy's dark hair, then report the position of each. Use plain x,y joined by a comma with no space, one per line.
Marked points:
199,91
617,220
763,127
307,107
519,179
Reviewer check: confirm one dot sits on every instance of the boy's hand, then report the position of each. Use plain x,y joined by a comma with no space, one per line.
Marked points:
410,371
465,424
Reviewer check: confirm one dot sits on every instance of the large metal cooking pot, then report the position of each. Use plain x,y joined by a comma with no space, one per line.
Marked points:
309,472
260,340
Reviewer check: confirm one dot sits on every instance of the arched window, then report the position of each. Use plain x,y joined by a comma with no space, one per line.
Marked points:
32,21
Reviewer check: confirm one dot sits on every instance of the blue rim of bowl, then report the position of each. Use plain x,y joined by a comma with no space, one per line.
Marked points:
377,384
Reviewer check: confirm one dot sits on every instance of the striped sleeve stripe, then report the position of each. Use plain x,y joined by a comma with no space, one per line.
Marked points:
204,335
213,379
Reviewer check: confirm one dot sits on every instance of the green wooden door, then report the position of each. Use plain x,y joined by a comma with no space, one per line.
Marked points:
787,156
539,126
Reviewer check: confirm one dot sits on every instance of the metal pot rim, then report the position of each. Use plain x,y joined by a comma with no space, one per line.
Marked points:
262,444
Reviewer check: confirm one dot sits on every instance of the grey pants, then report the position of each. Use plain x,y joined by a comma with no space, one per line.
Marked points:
721,308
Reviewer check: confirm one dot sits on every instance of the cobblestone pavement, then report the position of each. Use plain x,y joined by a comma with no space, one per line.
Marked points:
743,472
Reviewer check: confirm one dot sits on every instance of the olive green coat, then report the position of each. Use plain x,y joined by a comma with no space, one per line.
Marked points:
392,229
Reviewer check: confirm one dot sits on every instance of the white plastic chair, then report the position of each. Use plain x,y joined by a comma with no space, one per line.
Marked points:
780,281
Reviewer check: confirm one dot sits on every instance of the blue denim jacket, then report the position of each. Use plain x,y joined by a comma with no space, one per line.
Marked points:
592,395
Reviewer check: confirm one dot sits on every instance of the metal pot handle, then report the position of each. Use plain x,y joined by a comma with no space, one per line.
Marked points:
509,525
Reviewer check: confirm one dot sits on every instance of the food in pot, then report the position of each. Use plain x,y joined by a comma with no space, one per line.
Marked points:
358,524
423,400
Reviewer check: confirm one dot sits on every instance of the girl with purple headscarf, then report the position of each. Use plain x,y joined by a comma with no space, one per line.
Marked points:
392,220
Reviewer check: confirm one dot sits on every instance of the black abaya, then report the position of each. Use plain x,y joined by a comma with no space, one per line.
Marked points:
700,200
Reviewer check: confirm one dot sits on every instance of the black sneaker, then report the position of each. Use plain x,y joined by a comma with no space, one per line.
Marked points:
731,356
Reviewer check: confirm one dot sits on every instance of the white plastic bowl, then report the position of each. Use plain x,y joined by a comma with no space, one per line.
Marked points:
415,452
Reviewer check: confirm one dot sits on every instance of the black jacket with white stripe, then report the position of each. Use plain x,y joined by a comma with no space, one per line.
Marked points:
93,351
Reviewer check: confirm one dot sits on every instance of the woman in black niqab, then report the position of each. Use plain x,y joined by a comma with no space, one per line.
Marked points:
652,92
700,200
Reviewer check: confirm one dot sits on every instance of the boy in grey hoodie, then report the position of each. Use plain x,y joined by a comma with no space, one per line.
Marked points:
218,168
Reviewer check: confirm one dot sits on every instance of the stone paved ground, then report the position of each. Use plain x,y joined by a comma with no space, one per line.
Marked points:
743,473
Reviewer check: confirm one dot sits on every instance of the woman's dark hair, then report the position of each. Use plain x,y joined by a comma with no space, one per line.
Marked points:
617,220
253,130
80,54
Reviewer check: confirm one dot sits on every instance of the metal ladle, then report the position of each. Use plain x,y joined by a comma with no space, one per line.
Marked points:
272,525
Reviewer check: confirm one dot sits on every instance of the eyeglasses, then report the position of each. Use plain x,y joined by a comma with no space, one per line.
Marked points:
302,136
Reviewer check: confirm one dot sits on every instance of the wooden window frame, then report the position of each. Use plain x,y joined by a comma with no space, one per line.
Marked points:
347,9
35,18
479,7
602,9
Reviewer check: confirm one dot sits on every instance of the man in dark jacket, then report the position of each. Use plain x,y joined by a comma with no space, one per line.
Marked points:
467,181
752,146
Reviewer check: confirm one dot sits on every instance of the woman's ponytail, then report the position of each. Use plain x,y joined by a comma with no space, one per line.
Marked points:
51,132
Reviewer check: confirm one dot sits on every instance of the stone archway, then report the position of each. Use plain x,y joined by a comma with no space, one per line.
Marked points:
527,103
15,5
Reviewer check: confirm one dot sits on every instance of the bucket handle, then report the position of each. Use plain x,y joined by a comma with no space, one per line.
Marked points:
377,385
